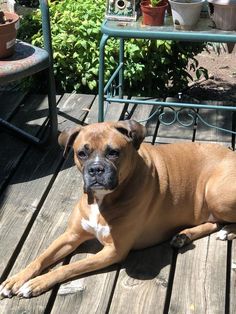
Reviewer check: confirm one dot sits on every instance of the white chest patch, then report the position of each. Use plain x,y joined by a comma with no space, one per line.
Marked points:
91,225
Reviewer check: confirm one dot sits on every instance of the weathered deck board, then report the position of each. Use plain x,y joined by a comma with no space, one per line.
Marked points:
73,109
9,102
112,112
220,119
31,108
232,290
200,278
143,281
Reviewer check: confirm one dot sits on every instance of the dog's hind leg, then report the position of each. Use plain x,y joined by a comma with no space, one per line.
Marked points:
190,234
221,201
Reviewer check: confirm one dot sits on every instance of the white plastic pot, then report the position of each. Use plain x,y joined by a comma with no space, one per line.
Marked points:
185,13
223,14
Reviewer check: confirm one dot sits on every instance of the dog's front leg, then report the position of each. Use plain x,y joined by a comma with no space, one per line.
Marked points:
34,287
60,248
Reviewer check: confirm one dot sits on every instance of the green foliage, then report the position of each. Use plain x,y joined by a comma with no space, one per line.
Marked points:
151,67
154,3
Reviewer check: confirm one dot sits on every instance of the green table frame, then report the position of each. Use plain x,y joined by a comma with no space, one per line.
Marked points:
204,32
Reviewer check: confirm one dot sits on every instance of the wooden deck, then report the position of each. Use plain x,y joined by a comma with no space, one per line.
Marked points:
38,190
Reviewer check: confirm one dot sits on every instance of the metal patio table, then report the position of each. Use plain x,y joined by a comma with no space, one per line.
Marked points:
204,32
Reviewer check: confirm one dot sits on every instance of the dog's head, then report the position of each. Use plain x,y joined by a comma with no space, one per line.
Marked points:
104,152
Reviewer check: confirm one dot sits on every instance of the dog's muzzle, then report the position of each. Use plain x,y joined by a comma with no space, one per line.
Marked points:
99,175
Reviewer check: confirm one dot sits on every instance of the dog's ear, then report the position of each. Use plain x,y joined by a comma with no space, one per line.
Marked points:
133,130
67,137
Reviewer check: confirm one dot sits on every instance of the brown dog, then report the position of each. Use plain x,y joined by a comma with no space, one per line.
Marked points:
135,196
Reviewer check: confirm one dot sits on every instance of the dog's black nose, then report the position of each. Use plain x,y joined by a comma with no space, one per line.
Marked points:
96,169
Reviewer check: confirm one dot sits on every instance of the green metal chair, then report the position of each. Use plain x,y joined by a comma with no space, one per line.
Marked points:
26,61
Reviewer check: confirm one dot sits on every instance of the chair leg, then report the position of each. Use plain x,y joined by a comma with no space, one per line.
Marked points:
52,107
52,121
14,130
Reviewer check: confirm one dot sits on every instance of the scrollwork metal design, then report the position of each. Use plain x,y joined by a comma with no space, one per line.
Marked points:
178,115
167,115
173,115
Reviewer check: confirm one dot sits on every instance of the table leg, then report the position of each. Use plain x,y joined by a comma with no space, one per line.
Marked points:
121,73
101,78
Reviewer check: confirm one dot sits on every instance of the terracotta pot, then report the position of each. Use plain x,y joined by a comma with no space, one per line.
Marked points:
8,33
153,16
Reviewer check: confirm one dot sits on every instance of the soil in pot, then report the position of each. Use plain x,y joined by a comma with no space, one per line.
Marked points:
8,31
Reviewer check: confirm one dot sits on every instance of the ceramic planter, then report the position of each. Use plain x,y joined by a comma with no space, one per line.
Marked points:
8,33
223,14
153,16
185,13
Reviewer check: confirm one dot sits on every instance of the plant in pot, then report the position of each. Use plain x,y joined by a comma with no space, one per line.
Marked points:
153,12
9,23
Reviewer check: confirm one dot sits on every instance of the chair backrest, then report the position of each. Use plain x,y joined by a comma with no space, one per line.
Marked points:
46,27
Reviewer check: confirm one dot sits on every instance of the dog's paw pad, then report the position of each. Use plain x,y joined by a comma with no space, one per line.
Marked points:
179,240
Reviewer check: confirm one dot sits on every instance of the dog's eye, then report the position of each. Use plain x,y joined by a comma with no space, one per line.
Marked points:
113,154
82,154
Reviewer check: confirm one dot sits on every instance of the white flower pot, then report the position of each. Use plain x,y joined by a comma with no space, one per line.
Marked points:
185,13
223,14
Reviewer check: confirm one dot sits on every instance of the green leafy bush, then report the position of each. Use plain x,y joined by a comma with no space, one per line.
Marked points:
151,66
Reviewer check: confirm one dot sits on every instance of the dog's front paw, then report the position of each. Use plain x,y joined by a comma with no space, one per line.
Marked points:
180,240
36,286
227,233
10,286
31,288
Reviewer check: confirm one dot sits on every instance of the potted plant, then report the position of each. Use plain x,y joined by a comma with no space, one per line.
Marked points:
185,13
223,14
153,12
9,23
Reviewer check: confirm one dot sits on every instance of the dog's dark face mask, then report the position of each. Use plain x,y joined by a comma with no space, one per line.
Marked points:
103,152
100,169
